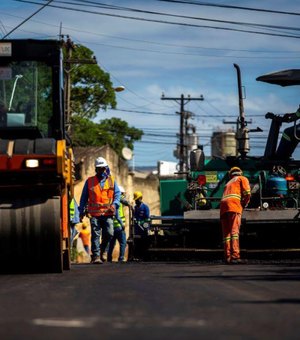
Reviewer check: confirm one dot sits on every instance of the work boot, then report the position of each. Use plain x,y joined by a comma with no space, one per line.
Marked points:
104,257
96,260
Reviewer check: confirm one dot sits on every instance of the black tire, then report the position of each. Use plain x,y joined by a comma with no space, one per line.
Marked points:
30,234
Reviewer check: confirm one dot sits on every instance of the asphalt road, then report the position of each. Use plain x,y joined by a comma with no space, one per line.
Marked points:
154,301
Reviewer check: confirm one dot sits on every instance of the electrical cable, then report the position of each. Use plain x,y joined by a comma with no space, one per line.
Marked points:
27,19
169,22
207,4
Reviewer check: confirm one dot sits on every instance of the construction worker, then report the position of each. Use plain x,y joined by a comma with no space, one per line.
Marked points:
101,197
141,215
236,197
85,236
74,218
119,229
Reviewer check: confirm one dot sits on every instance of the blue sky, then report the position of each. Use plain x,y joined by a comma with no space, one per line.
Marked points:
150,57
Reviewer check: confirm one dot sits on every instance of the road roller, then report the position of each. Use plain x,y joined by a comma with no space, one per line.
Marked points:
36,158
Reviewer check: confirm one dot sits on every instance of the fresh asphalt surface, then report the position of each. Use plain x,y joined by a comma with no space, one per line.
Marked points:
154,300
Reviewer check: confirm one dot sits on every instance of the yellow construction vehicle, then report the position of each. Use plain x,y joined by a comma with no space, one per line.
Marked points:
36,158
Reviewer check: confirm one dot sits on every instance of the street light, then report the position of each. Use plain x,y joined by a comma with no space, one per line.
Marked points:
119,88
115,89
18,76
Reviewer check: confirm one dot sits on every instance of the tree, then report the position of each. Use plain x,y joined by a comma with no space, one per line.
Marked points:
91,91
91,87
114,132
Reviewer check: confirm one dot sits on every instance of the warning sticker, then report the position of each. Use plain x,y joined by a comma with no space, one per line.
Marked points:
211,176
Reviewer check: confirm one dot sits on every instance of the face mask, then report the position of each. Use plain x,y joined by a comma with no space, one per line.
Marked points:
138,202
100,172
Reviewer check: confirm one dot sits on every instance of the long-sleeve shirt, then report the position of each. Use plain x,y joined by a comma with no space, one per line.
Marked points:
85,195
119,216
74,212
142,212
236,195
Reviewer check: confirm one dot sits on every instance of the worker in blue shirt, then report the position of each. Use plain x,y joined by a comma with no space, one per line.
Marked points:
141,216
100,198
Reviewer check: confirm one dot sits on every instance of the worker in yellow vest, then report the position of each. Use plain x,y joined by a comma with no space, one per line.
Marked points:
74,218
119,229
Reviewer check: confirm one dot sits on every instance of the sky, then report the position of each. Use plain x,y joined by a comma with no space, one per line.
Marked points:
177,48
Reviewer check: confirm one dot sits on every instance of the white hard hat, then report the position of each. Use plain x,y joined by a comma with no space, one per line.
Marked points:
122,189
100,162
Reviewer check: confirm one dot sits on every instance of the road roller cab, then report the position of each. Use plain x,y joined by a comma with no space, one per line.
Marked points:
36,159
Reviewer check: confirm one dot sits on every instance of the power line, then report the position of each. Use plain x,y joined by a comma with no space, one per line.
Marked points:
135,10
200,3
146,112
198,54
2,28
175,23
153,142
27,19
155,42
209,115
151,42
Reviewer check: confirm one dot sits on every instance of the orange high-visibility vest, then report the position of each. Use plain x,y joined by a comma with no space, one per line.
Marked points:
235,191
100,199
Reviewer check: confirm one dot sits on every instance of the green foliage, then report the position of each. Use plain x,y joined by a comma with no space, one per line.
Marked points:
91,88
91,91
113,132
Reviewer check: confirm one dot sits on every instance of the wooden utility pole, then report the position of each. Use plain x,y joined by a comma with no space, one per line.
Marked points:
182,101
69,46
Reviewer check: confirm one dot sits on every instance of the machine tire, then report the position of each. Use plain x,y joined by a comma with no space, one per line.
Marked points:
30,234
67,258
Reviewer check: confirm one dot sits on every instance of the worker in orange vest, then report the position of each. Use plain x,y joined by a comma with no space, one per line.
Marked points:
100,198
236,197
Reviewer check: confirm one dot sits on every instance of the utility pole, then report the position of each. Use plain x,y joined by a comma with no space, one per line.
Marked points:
69,46
182,101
